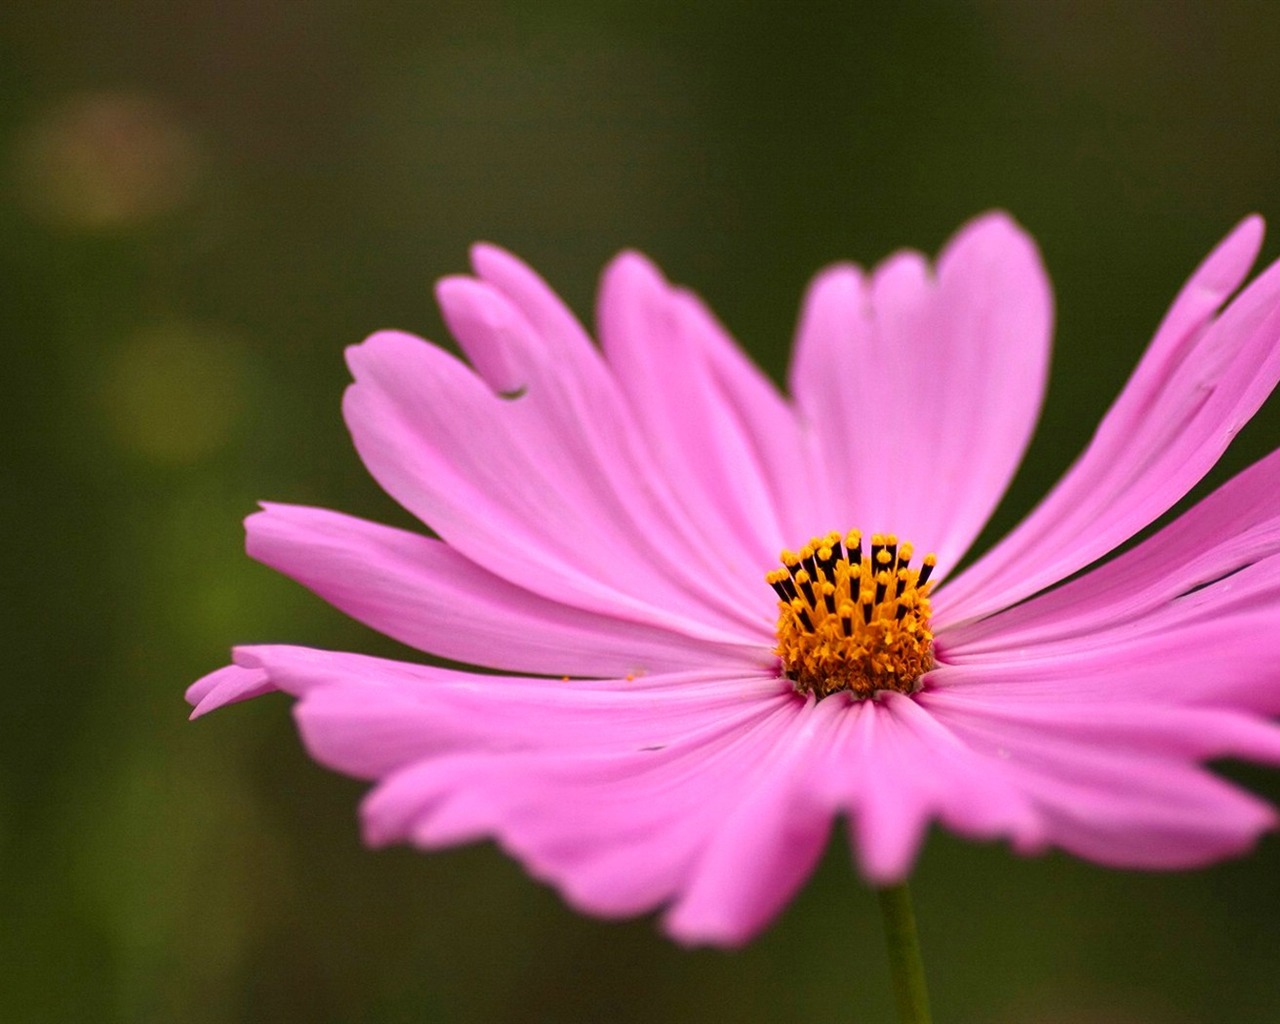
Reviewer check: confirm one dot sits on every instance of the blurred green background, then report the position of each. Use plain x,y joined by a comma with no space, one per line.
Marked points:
203,203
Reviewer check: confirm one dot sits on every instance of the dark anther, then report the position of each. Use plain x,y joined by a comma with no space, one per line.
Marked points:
807,588
828,565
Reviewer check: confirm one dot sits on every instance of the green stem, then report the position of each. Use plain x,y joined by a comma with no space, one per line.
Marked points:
904,954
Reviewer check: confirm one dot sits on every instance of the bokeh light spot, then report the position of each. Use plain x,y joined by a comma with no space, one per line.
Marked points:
106,161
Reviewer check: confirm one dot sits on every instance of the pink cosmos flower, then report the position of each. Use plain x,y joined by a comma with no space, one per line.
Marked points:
703,675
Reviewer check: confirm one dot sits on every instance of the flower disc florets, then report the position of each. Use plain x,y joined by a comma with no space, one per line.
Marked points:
846,622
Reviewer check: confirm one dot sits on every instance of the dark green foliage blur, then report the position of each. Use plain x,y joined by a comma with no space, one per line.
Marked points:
202,203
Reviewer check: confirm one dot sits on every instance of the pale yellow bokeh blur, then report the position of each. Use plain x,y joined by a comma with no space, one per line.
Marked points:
175,392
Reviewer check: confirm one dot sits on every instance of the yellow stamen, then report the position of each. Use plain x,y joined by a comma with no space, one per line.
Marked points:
851,623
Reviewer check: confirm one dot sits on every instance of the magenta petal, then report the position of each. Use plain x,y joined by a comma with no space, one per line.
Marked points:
658,341
889,814
226,686
782,450
512,315
489,331
618,831
425,594
1235,527
549,317
516,492
1005,722
767,845
1200,381
1172,818
895,769
606,857
1070,762
1227,662
922,388
346,696
471,756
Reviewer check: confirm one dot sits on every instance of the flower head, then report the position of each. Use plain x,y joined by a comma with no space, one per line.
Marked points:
730,616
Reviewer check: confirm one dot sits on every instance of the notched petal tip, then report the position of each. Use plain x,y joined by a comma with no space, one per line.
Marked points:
276,519
521,284
488,329
228,685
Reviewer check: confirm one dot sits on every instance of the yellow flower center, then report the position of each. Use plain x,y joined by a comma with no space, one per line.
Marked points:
848,622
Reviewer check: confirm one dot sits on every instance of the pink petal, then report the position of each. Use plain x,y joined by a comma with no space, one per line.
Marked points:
714,792
549,317
894,769
565,376
1113,782
1139,727
923,389
608,856
693,787
659,342
1200,381
226,686
768,843
1168,817
769,424
618,832
889,814
1227,662
425,594
1152,585
514,489
367,716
